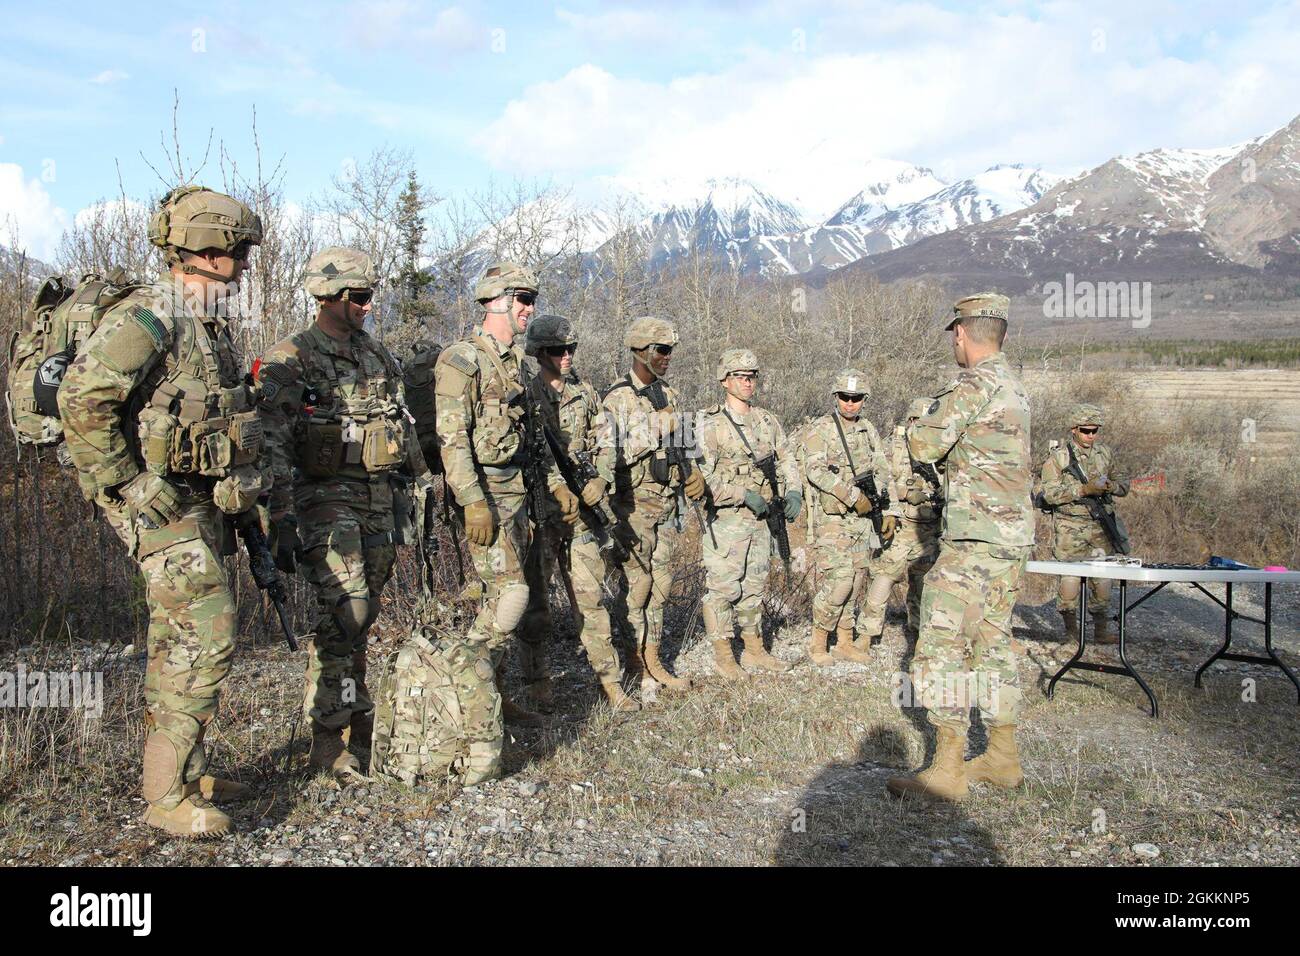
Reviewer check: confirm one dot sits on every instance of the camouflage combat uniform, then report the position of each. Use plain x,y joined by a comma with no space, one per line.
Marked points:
979,426
1075,535
337,435
738,545
843,539
158,390
917,503
577,420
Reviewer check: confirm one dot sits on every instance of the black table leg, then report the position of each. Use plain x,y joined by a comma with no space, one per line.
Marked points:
1227,631
1073,661
1123,654
1268,639
1272,660
1127,670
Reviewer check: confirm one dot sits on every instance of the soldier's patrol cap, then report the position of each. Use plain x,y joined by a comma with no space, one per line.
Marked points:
647,331
736,360
851,381
992,305
1085,414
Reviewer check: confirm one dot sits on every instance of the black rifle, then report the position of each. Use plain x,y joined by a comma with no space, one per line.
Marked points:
775,507
265,574
534,425
929,474
865,482
676,455
1099,507
577,469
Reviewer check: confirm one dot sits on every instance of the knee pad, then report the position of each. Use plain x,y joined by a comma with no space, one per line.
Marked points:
638,594
879,590
840,591
511,604
352,614
1068,589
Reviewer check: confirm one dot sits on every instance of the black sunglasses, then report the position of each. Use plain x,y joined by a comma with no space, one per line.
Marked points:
846,397
663,349
525,298
1087,431
559,351
360,296
242,251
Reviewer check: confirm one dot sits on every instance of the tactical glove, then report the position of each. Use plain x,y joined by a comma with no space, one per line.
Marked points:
285,544
888,524
480,526
915,496
756,503
568,504
793,504
1093,488
863,505
694,485
593,491
153,498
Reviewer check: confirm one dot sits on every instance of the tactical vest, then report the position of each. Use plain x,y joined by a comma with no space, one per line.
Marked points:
420,709
627,477
356,423
197,416
59,321
499,439
859,446
733,464
901,464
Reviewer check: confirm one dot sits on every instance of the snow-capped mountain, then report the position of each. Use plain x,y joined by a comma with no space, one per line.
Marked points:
1162,214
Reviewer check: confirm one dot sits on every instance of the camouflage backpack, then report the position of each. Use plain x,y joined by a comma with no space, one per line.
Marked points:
417,377
59,322
422,732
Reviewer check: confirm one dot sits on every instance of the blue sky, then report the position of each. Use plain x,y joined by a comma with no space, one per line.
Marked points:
797,95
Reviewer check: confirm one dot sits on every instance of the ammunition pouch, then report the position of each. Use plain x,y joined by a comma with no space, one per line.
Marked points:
212,447
383,445
660,469
497,433
320,449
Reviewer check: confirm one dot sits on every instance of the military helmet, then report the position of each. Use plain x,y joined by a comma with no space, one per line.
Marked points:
919,407
546,331
648,330
851,382
337,268
503,277
736,360
194,218
1085,414
991,305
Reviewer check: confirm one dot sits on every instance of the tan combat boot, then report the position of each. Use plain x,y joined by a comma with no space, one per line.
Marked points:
999,764
946,777
328,752
655,669
619,702
846,650
817,647
756,655
1101,632
221,790
1071,621
724,663
519,715
194,816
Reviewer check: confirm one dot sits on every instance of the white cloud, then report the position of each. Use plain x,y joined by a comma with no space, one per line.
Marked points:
29,219
384,23
109,76
956,91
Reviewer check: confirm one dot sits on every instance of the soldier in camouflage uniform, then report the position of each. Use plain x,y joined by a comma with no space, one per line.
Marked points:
482,413
836,447
575,420
979,427
165,439
733,437
339,440
646,486
1075,534
916,504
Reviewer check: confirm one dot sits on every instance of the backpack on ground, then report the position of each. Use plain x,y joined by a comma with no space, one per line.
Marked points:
58,323
437,712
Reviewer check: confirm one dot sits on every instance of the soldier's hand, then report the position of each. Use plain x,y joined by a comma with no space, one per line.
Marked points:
694,485
480,526
915,496
568,502
863,505
756,503
593,491
285,544
153,498
888,525
793,504
1093,488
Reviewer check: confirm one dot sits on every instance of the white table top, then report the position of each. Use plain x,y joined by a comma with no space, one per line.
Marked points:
1084,569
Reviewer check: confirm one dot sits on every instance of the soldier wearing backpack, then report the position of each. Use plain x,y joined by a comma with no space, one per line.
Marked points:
163,433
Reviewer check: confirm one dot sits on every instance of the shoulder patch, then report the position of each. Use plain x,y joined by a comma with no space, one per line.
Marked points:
151,324
459,360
